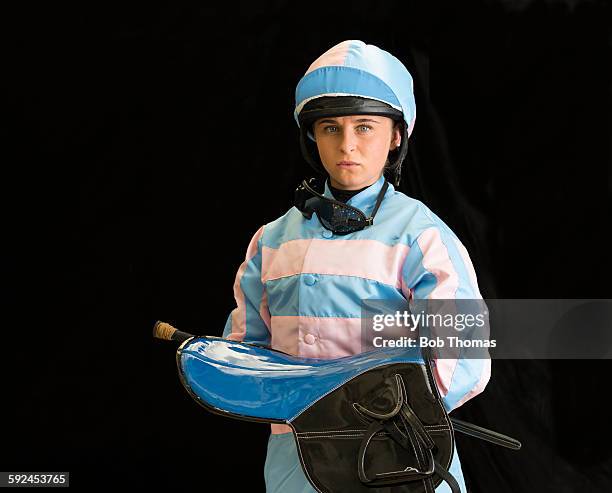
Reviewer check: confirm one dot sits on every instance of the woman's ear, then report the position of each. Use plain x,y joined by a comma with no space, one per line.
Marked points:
397,135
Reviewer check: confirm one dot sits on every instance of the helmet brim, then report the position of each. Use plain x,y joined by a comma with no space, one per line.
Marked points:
345,106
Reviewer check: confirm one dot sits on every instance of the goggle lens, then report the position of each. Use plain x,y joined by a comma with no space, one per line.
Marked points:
335,216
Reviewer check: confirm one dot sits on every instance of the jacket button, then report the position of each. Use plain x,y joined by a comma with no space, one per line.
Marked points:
309,339
327,233
309,279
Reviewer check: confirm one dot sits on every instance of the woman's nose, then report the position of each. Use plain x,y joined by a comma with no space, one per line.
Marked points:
348,141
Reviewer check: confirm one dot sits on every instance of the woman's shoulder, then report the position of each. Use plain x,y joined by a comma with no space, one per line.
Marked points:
414,217
285,227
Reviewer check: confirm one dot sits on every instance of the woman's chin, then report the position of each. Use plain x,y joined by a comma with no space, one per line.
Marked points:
353,184
347,179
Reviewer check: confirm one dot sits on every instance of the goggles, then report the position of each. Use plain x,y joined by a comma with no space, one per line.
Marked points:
336,216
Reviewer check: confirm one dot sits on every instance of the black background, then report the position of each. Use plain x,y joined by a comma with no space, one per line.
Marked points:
180,120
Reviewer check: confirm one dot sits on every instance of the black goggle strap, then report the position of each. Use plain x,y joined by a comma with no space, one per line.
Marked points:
304,200
379,199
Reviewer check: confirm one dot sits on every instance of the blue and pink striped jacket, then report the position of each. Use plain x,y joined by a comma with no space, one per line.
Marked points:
300,286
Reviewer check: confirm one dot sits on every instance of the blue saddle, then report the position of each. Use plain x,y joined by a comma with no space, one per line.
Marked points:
379,414
261,384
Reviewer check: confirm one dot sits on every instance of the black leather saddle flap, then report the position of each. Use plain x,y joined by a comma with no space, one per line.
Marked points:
330,432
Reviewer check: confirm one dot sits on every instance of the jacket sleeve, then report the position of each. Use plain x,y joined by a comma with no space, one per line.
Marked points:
250,320
438,266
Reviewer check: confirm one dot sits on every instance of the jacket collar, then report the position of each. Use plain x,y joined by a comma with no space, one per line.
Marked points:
366,199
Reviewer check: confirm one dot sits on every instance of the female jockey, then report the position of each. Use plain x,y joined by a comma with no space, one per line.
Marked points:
305,274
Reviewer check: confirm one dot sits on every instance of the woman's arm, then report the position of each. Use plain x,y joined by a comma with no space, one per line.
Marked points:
438,267
250,320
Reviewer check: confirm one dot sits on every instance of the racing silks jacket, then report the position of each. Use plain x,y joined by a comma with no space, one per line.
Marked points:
300,287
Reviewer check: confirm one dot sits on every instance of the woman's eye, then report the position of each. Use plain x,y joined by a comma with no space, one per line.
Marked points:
363,128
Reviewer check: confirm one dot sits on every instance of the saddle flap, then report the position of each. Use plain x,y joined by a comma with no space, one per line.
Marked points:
372,428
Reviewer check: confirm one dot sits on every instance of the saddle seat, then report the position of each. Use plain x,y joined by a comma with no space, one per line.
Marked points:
257,383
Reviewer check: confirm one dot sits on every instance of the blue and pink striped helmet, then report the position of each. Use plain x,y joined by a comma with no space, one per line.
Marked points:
355,78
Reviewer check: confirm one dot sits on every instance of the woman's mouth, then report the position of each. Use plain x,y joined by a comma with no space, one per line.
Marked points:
346,164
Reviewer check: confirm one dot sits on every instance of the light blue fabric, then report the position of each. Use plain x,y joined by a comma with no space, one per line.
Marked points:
366,71
283,472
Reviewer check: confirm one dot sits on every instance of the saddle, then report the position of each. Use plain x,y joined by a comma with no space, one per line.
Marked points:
373,422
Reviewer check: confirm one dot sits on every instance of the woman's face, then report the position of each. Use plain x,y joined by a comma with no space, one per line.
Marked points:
364,140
